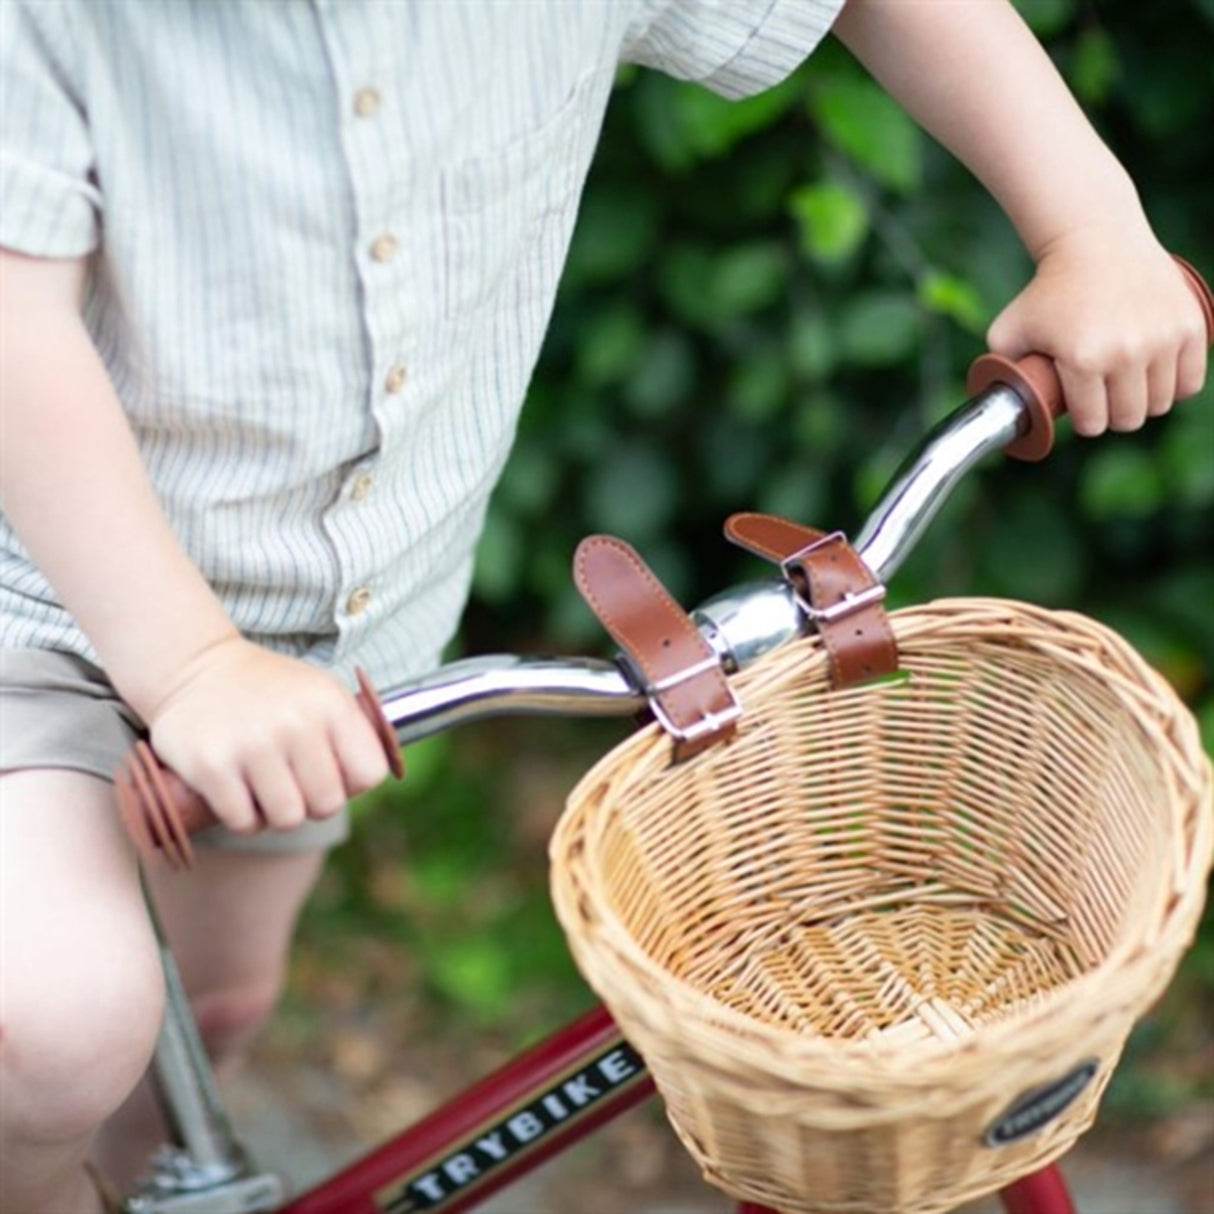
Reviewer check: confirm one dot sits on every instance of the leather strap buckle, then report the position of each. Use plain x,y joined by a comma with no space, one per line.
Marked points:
713,721
834,588
792,567
668,660
707,727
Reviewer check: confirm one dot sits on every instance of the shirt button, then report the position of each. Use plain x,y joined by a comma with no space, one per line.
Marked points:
383,248
366,102
395,380
357,603
361,486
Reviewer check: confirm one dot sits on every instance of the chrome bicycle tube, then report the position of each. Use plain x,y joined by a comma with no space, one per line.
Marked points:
922,485
741,624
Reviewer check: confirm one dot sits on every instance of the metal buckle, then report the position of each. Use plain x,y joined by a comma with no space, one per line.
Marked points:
710,723
847,605
681,676
787,565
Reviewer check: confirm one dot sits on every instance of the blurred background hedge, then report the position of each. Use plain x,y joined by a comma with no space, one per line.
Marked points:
765,304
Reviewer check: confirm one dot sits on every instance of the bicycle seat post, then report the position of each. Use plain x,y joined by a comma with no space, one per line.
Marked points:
204,1170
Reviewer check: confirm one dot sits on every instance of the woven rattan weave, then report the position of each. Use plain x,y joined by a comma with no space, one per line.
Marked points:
849,940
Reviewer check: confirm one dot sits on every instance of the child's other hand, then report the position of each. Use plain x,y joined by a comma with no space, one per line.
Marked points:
265,739
1114,312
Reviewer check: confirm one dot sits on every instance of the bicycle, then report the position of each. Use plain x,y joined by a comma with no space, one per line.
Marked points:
586,1073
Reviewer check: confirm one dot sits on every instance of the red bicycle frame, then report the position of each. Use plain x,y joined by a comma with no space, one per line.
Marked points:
522,1115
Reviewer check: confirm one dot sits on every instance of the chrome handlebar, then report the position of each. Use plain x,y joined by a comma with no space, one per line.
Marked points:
741,624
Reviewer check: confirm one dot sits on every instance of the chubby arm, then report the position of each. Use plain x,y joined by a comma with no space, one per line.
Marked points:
73,486
1106,301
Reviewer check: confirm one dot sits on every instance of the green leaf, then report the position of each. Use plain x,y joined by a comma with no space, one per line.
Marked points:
441,879
672,567
1033,552
1187,454
1095,67
570,623
708,290
530,480
1185,597
1046,17
474,973
864,122
682,124
748,278
1174,655
818,423
763,177
832,219
663,377
1120,481
811,345
1205,718
797,492
951,296
657,124
610,345
879,328
735,457
498,558
632,492
616,234
758,388
684,279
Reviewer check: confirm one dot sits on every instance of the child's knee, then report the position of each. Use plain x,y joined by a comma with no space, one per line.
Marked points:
75,1040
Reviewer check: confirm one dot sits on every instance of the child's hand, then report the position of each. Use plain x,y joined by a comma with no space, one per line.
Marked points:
265,739
1114,312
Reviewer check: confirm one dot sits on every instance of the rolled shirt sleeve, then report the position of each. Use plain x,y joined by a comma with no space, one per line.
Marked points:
50,204
734,47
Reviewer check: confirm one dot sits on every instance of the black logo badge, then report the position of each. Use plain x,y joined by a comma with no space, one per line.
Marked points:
1040,1106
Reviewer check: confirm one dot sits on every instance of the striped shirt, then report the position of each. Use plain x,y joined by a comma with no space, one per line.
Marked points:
328,236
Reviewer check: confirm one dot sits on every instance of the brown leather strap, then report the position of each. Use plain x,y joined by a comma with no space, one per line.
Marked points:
674,665
836,589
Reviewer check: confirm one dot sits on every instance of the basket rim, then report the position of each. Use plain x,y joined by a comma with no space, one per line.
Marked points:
1130,967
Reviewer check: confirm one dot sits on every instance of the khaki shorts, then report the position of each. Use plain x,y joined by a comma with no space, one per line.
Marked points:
57,710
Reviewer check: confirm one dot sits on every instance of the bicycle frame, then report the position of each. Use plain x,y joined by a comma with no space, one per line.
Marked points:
488,1137
518,1118
585,1074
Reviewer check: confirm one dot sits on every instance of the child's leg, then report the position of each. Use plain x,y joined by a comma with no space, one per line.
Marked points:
81,993
229,921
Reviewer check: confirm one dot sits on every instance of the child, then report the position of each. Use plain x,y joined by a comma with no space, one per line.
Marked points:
274,277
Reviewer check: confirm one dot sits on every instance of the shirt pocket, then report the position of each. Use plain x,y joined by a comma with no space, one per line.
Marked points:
496,205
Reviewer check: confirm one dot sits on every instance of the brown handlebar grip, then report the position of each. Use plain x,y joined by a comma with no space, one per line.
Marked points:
1205,297
1036,382
161,812
373,710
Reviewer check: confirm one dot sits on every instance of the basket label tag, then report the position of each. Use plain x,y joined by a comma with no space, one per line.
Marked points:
1040,1106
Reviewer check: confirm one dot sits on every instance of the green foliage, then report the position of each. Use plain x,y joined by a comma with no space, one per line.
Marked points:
856,116
766,304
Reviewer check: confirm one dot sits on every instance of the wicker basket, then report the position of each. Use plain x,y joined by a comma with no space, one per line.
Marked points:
882,950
